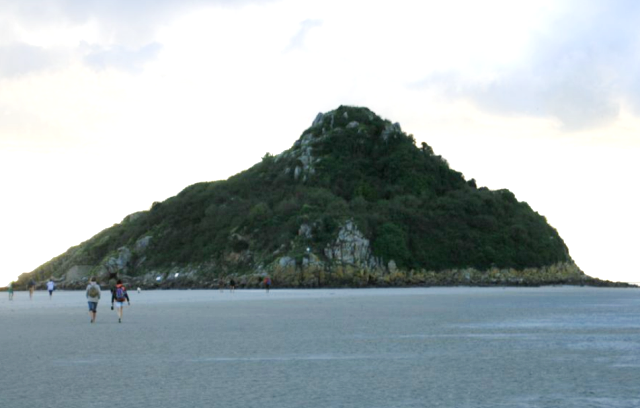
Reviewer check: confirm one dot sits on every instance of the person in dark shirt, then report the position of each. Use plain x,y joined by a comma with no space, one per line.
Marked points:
118,296
32,287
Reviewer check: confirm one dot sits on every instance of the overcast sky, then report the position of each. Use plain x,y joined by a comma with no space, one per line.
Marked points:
108,106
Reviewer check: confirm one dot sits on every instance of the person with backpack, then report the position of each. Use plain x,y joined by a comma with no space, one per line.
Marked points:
267,283
93,297
119,295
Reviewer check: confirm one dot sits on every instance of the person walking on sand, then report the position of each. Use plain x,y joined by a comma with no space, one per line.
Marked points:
93,297
10,290
51,286
119,295
267,283
232,285
32,287
221,284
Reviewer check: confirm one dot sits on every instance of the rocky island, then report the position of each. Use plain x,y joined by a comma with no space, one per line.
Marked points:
353,203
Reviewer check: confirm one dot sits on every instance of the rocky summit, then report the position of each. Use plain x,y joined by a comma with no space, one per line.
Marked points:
354,202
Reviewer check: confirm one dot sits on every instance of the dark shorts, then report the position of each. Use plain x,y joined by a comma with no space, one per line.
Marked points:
50,292
93,306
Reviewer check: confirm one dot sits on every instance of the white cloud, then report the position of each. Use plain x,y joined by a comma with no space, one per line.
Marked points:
19,58
298,40
580,69
120,57
105,34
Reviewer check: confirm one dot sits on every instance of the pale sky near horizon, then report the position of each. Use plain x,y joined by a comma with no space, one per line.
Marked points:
108,106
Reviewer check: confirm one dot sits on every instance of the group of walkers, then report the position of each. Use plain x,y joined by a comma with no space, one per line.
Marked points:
119,295
31,287
232,285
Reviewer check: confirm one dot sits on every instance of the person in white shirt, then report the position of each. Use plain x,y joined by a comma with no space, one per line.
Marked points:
51,287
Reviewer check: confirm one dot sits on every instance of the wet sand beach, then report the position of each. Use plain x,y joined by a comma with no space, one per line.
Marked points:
422,347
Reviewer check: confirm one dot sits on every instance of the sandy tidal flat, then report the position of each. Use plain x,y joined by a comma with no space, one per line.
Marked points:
449,347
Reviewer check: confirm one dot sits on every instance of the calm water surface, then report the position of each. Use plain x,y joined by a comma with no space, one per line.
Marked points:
432,347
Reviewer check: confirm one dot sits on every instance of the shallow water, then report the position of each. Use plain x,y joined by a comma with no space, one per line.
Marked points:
433,347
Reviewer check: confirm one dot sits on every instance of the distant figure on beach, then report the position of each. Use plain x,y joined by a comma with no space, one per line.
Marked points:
10,290
93,297
232,285
139,289
51,286
267,283
112,289
119,295
32,287
221,284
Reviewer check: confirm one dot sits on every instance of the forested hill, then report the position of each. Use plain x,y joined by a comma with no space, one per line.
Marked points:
354,201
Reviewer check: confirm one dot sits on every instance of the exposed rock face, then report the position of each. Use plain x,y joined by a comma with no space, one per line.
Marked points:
390,130
287,262
305,231
302,152
305,156
121,262
318,119
133,217
312,273
351,247
311,261
77,272
143,243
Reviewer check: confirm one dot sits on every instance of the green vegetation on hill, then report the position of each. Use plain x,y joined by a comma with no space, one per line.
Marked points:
350,165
